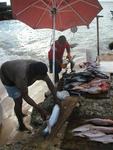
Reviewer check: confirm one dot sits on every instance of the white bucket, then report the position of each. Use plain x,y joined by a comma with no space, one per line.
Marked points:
91,56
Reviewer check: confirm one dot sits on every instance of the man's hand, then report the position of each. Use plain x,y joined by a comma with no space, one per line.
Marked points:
59,102
44,114
69,57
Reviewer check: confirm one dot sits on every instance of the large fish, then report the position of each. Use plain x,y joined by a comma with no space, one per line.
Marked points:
107,130
67,107
58,117
82,128
87,127
52,120
99,121
90,134
106,139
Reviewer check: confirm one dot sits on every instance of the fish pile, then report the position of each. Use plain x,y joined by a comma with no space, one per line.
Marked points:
96,129
90,81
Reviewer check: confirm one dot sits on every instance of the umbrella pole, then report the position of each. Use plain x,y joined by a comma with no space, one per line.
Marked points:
54,50
98,36
98,52
54,21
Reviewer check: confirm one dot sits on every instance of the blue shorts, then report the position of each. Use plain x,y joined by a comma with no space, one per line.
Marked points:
13,91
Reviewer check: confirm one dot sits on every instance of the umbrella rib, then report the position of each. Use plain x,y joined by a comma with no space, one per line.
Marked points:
60,4
46,9
77,2
69,5
90,4
60,20
38,22
46,4
54,3
26,8
19,13
41,8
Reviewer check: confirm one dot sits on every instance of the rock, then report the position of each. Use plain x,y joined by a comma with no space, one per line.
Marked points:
92,107
111,46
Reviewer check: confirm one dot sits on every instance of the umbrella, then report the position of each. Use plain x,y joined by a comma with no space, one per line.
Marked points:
55,14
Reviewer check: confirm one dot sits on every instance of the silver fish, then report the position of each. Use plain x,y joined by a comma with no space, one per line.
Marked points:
98,121
107,130
106,139
90,134
82,128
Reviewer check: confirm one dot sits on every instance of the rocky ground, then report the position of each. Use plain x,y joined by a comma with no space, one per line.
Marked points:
89,108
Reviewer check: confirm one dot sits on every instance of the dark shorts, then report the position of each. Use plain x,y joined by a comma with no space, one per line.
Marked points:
57,67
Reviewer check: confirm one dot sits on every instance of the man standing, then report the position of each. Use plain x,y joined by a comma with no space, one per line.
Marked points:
60,45
16,76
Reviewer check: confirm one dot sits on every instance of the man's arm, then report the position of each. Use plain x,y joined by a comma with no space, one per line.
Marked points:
68,51
51,88
31,102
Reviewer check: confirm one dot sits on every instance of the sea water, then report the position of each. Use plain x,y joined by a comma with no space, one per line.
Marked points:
19,41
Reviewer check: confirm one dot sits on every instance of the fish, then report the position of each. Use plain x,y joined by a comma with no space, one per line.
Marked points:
98,73
79,77
58,116
90,134
82,128
68,105
52,120
99,121
107,130
71,85
106,139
